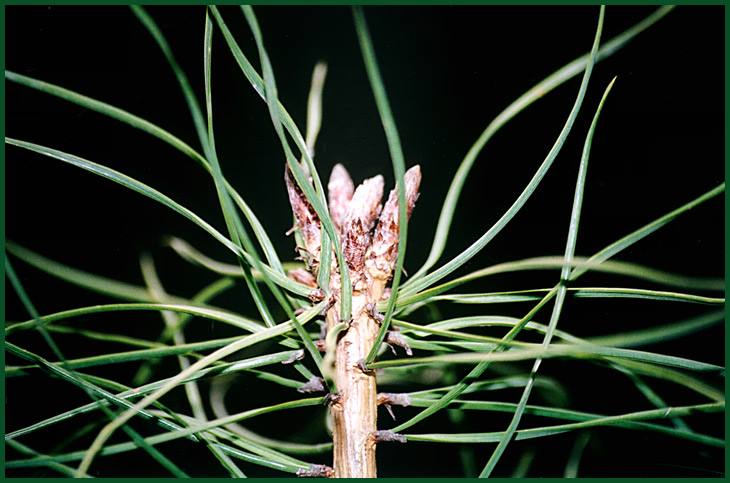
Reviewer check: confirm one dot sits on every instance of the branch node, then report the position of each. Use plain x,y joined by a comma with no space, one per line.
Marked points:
330,303
361,365
332,399
372,311
321,345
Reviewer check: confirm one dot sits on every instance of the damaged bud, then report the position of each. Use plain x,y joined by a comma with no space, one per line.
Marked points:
304,213
384,248
354,213
365,203
315,384
362,212
356,241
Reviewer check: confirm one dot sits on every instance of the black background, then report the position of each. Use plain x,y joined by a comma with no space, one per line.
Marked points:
448,72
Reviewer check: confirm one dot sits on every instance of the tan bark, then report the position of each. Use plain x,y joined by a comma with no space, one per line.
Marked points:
355,411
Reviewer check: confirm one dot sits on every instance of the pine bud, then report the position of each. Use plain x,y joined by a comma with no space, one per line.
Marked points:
306,218
341,189
302,276
362,212
384,248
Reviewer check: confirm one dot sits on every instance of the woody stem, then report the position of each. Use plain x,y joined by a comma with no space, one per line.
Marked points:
355,412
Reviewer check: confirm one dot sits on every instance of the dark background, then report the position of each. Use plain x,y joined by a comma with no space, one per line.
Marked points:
448,72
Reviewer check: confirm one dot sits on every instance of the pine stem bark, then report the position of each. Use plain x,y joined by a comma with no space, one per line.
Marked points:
355,411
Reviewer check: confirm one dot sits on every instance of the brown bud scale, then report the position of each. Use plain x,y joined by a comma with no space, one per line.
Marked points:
302,276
